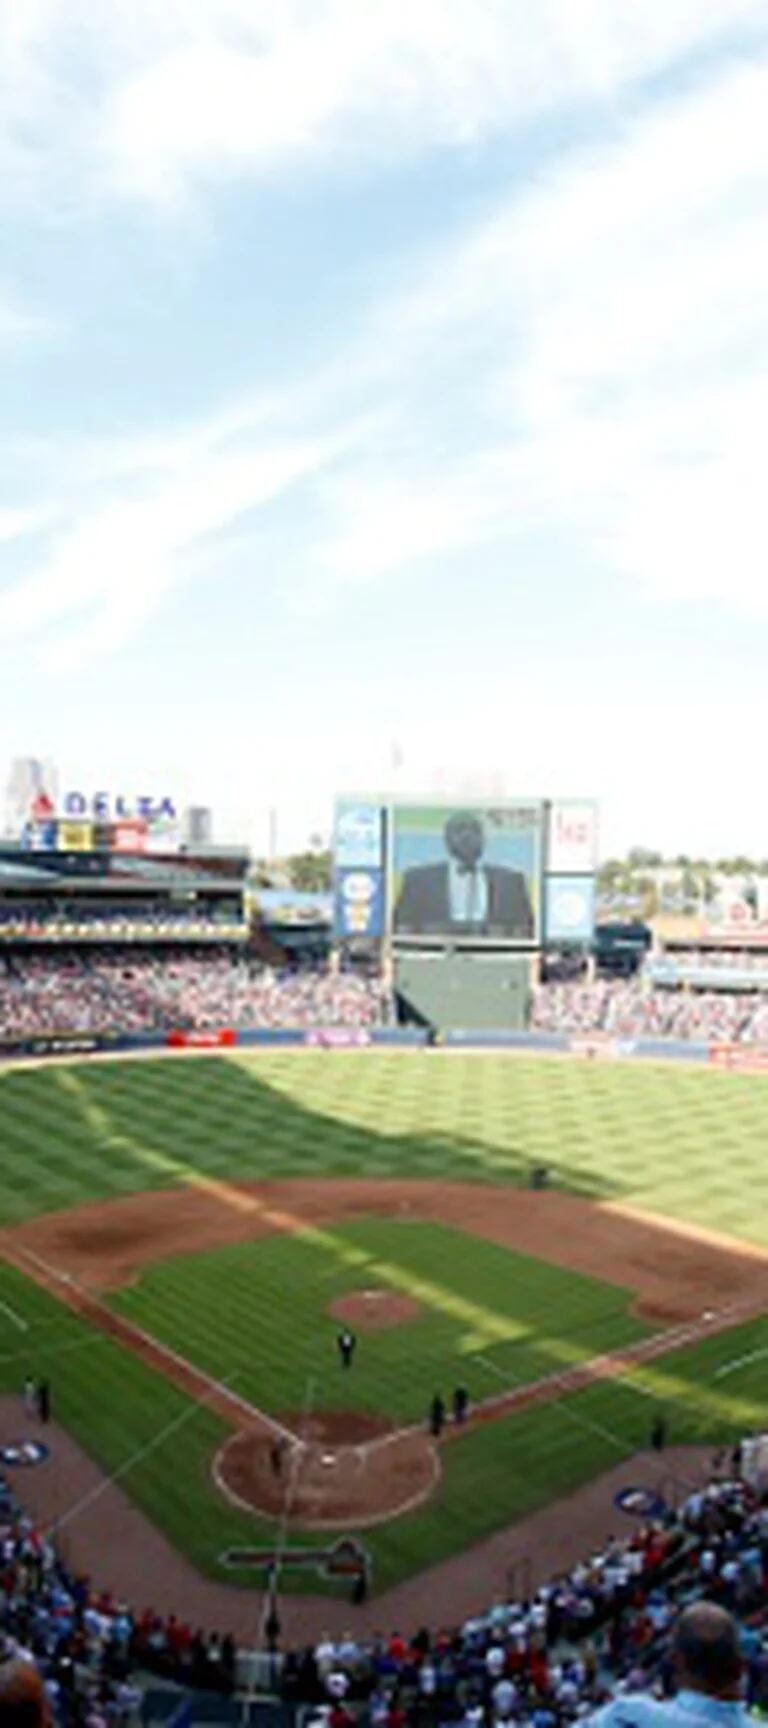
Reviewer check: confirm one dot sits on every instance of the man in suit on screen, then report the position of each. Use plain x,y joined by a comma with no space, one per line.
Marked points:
464,895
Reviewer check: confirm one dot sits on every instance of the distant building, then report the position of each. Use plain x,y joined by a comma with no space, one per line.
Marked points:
31,793
197,826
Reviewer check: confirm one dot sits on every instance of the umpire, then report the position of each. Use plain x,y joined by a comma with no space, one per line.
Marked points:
346,1344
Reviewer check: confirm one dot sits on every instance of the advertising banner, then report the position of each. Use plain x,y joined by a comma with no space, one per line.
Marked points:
570,908
358,903
128,836
469,873
572,837
55,1044
358,836
598,1046
223,1039
75,836
747,1058
337,1037
40,836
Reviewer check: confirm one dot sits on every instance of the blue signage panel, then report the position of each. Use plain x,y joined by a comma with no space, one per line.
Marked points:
358,903
359,835
40,836
570,908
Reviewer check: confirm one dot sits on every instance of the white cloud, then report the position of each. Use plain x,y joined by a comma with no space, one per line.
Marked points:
20,324
380,78
587,367
602,346
113,564
143,100
588,364
17,524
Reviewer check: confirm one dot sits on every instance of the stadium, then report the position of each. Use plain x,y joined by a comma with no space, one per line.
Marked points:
371,1296
384,894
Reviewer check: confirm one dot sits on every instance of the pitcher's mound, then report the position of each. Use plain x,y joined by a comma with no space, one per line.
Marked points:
348,1471
374,1310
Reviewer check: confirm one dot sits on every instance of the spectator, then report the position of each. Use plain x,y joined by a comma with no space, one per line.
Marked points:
707,1662
23,1700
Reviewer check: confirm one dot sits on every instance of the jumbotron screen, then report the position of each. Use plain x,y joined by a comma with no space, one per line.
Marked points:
471,872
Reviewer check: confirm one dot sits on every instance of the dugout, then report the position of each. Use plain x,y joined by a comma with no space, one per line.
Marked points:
463,990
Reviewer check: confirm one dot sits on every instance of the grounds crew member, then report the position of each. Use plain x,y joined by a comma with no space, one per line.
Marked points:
436,1416
460,1402
659,1432
347,1345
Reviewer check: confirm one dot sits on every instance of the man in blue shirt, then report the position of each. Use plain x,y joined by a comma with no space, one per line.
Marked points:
707,1662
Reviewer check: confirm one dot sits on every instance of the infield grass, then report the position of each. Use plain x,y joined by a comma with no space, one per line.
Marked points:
260,1310
136,1424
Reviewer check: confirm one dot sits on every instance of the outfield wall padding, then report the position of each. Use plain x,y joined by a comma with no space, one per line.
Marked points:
597,1046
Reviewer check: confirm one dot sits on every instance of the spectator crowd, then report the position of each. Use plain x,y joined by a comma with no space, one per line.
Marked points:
95,991
543,1661
635,1009
81,991
87,1645
551,1659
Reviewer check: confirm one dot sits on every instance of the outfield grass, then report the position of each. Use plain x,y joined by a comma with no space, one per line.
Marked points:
686,1143
133,1421
260,1310
689,1144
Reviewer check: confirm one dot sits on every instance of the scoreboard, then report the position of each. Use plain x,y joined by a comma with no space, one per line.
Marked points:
506,873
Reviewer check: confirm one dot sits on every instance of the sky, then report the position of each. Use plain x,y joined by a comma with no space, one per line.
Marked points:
383,403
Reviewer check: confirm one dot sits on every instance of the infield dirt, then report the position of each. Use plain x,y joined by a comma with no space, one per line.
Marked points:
687,1285
676,1272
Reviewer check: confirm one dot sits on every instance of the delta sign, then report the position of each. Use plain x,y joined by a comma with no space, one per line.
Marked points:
116,807
83,821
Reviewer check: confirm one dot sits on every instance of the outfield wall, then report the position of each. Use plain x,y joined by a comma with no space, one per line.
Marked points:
595,1047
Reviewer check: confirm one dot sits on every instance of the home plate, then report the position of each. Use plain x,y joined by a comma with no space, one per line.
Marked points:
328,1458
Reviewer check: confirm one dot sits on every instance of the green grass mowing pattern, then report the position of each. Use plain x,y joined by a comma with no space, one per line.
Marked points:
684,1142
115,1406
260,1309
509,1469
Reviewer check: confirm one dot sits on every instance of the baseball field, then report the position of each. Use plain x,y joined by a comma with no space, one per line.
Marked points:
182,1239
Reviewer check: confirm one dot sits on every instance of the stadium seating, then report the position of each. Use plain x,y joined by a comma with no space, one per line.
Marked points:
546,1661
635,1009
80,991
108,989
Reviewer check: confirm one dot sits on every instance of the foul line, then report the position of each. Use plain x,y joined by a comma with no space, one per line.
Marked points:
739,1362
136,1457
22,1325
145,1345
45,1352
574,1416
